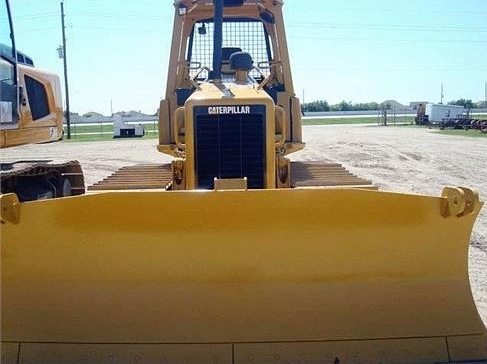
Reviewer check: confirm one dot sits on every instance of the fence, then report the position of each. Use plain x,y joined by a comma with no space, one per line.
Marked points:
102,128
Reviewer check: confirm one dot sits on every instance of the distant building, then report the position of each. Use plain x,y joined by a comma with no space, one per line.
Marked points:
129,114
414,104
393,105
92,114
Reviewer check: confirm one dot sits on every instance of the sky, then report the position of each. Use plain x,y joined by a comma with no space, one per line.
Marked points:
353,50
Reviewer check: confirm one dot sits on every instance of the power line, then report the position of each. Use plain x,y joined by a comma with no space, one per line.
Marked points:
118,15
397,40
394,10
96,1
36,16
394,27
35,29
389,69
65,62
109,29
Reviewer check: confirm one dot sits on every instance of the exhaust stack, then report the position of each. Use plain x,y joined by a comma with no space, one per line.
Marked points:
217,40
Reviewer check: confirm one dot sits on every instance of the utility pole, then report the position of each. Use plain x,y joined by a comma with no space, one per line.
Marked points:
485,94
442,95
66,88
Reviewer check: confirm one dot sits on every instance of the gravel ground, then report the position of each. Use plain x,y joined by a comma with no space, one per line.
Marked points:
401,159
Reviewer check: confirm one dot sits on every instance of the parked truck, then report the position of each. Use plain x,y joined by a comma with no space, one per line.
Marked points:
437,113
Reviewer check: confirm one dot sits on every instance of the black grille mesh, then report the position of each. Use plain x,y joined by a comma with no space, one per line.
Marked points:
230,146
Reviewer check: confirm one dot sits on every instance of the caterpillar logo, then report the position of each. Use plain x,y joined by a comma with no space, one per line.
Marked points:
215,110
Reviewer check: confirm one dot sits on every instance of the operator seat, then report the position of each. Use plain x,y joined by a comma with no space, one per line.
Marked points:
226,54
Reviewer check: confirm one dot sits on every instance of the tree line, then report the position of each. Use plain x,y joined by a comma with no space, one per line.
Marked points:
467,104
323,105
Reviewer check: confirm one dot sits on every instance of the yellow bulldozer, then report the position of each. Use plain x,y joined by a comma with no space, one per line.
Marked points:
232,253
31,112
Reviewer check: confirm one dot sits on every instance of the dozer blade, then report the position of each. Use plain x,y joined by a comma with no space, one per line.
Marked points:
261,276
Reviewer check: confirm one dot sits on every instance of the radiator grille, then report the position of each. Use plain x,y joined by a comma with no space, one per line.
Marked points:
230,146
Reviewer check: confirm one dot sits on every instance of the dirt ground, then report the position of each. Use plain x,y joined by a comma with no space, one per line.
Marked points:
401,159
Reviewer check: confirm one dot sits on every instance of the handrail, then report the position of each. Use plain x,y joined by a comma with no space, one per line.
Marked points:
177,125
193,79
282,121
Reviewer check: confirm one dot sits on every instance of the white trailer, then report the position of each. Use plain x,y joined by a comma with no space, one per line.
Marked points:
122,129
437,112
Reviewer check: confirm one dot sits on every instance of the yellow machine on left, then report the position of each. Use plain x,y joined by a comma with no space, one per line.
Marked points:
31,112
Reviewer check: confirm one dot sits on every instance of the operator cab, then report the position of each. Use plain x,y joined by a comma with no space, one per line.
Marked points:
9,92
236,38
240,35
